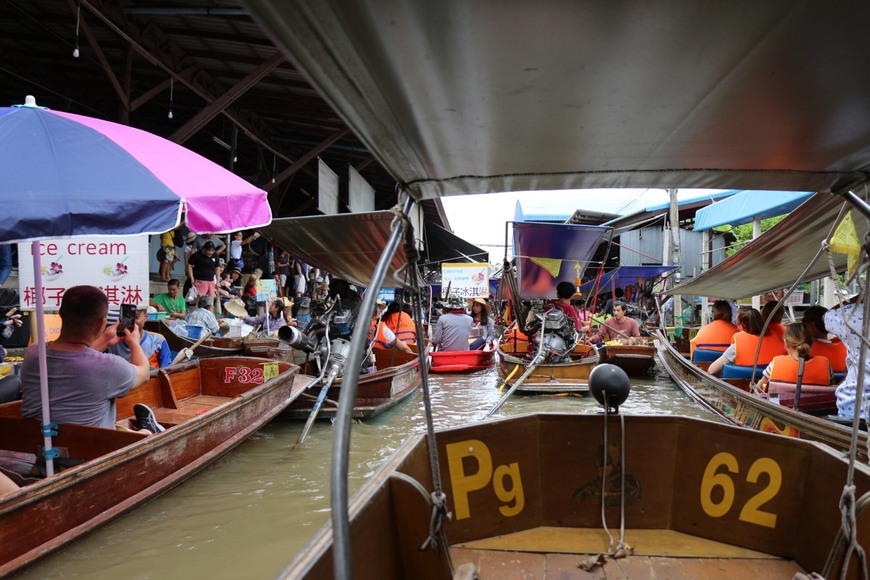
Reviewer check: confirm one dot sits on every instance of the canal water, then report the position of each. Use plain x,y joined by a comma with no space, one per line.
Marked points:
248,515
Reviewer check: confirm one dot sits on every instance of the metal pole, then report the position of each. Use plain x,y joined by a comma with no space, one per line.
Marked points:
341,548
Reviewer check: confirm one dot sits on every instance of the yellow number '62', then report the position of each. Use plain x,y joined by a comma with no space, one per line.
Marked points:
717,477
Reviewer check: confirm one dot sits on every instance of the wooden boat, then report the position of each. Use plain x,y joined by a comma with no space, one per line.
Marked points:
208,406
461,361
746,409
214,346
562,377
525,495
377,392
634,359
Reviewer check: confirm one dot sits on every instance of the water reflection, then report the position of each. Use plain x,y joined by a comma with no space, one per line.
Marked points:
249,514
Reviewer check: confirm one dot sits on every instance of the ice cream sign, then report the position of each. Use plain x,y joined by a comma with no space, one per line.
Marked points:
465,280
118,265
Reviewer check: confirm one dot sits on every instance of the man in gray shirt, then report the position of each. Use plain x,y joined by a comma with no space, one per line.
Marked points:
82,379
453,328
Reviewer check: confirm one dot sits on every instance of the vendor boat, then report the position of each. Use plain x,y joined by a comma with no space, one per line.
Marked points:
211,346
207,407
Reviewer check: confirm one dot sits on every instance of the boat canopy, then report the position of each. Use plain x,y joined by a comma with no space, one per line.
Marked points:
489,96
777,258
547,254
624,276
445,246
345,245
747,206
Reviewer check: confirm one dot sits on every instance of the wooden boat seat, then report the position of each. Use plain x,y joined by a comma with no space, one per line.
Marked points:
77,441
546,551
706,355
814,399
730,371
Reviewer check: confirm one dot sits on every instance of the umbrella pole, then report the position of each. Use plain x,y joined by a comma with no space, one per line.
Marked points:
47,430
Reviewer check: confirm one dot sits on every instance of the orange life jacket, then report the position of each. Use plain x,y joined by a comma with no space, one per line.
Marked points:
834,351
747,344
402,326
817,370
714,336
379,338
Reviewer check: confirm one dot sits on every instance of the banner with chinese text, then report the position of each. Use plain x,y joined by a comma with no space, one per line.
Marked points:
117,265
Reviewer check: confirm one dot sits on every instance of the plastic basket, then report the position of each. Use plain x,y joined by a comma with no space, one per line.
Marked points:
194,331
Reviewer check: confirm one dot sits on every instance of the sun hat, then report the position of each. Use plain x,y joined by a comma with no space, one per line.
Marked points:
236,307
305,304
455,303
480,300
236,269
287,301
190,237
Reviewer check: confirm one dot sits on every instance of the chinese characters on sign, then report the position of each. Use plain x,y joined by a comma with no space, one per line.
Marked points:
117,265
466,280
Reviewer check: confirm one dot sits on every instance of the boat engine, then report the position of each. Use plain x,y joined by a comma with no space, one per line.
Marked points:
558,334
338,351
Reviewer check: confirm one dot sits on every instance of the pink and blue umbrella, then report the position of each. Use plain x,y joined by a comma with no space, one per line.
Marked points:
66,175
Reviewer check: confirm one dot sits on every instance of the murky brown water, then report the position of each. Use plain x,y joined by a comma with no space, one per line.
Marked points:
249,514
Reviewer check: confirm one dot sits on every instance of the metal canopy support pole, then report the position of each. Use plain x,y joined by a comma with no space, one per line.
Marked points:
341,548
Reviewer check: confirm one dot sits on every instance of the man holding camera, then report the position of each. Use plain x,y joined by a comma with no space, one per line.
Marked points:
83,380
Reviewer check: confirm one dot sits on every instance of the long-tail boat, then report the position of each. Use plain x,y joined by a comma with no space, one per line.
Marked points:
207,407
461,97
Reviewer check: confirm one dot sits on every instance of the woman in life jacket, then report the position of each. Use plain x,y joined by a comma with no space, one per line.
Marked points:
744,344
786,368
482,327
400,322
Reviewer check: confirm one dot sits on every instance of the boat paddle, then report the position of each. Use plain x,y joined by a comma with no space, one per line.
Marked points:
182,355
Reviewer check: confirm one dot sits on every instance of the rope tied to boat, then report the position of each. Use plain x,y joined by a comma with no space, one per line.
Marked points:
438,499
849,529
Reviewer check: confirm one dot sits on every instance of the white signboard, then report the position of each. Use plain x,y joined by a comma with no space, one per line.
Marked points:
360,195
117,265
327,189
465,280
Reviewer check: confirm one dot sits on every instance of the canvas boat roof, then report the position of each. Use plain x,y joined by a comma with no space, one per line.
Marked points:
624,276
778,257
476,97
547,254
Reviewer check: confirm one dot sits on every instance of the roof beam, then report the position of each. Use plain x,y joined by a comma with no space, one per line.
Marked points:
218,105
301,162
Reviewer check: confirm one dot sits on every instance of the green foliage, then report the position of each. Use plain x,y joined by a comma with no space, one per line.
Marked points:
743,233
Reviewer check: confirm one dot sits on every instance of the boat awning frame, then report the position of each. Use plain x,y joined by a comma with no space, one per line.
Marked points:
777,258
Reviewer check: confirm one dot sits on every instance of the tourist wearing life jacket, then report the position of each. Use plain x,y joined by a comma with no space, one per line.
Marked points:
400,322
785,368
717,334
745,344
381,337
775,326
831,348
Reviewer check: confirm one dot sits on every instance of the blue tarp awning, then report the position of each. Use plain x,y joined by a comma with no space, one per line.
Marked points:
746,206
625,276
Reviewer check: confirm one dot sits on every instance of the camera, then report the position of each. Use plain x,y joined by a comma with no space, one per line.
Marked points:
127,318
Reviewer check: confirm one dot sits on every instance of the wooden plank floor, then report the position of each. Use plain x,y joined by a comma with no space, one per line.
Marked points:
556,552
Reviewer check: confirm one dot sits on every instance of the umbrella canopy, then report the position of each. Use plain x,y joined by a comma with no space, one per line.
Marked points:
66,175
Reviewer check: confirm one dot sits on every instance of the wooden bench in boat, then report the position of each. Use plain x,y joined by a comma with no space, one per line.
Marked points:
814,398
